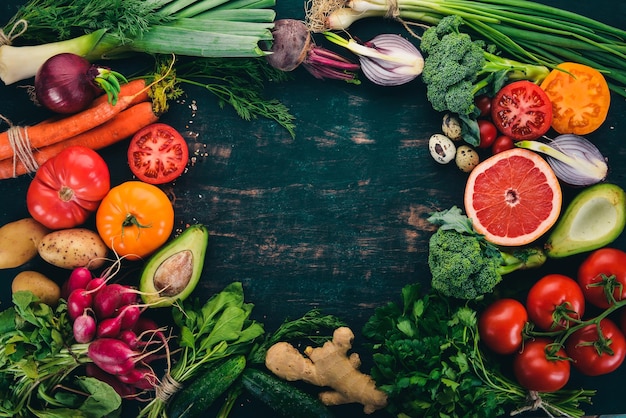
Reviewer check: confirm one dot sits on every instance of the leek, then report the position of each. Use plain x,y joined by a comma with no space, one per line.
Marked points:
196,28
523,29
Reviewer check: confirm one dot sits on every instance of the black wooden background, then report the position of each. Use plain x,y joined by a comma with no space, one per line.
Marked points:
334,219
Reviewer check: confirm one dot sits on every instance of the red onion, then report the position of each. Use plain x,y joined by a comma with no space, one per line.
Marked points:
574,159
68,83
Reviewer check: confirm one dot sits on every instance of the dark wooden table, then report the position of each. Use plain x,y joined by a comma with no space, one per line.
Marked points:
333,219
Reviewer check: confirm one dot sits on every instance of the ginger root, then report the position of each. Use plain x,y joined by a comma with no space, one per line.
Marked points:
328,366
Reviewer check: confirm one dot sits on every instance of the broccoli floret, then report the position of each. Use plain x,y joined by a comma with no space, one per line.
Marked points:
457,68
464,265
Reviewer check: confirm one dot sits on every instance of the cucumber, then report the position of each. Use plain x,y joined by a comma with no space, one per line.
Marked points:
195,399
284,398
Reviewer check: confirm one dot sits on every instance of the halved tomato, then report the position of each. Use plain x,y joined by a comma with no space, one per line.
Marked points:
580,98
158,154
522,110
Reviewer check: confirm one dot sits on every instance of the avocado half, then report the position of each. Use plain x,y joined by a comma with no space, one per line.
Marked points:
593,219
173,272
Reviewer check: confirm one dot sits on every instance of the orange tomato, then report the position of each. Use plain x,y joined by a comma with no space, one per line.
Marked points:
580,98
134,219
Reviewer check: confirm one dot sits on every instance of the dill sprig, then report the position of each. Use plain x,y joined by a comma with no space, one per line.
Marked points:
51,20
236,82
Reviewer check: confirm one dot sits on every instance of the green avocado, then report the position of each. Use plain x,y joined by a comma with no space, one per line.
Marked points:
172,273
593,219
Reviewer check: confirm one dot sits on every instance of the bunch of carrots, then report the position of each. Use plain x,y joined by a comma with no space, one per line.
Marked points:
97,127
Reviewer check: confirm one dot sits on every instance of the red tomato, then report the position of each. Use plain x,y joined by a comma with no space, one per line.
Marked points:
590,356
534,371
483,103
603,272
500,326
522,110
68,187
158,154
488,133
502,143
552,300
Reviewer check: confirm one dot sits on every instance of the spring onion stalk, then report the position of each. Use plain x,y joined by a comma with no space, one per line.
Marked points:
387,59
196,28
523,29
574,159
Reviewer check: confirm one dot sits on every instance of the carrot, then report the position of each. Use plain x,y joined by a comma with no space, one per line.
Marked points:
52,132
118,128
128,89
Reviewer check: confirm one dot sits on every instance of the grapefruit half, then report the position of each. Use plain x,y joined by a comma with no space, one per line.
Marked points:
513,197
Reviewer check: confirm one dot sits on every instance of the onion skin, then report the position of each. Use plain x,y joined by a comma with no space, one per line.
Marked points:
64,83
68,83
574,159
389,73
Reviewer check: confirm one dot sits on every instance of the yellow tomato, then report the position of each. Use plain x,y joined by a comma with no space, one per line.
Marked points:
580,98
135,218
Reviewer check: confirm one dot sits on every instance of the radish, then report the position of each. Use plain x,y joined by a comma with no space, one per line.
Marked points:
77,302
84,327
141,377
130,338
111,297
129,316
116,357
109,328
112,355
78,279
95,283
125,319
125,391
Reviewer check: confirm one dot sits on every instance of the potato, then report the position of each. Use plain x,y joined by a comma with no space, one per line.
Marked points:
45,289
19,241
74,247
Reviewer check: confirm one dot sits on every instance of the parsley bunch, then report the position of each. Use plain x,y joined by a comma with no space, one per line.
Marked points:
428,360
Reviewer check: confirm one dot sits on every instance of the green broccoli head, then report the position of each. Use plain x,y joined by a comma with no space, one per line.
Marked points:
460,267
454,61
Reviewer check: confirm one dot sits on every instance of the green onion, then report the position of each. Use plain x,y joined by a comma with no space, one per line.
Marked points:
521,28
196,28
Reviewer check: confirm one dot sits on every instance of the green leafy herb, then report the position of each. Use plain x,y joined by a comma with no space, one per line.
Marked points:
219,328
308,327
37,361
428,360
235,82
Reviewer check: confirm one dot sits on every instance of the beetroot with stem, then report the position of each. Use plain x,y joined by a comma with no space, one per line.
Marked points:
293,46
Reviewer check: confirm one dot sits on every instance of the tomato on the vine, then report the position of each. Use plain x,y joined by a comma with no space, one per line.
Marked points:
68,188
501,324
135,218
553,300
522,110
595,355
535,371
158,154
488,133
501,143
601,274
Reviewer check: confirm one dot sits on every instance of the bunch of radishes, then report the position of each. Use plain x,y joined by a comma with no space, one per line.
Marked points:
122,342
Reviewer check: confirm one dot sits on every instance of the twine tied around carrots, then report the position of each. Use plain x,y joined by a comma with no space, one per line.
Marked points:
16,31
20,144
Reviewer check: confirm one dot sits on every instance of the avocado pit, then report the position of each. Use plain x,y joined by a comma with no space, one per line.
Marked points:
174,274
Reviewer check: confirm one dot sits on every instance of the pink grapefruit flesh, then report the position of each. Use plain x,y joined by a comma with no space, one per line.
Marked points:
513,197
